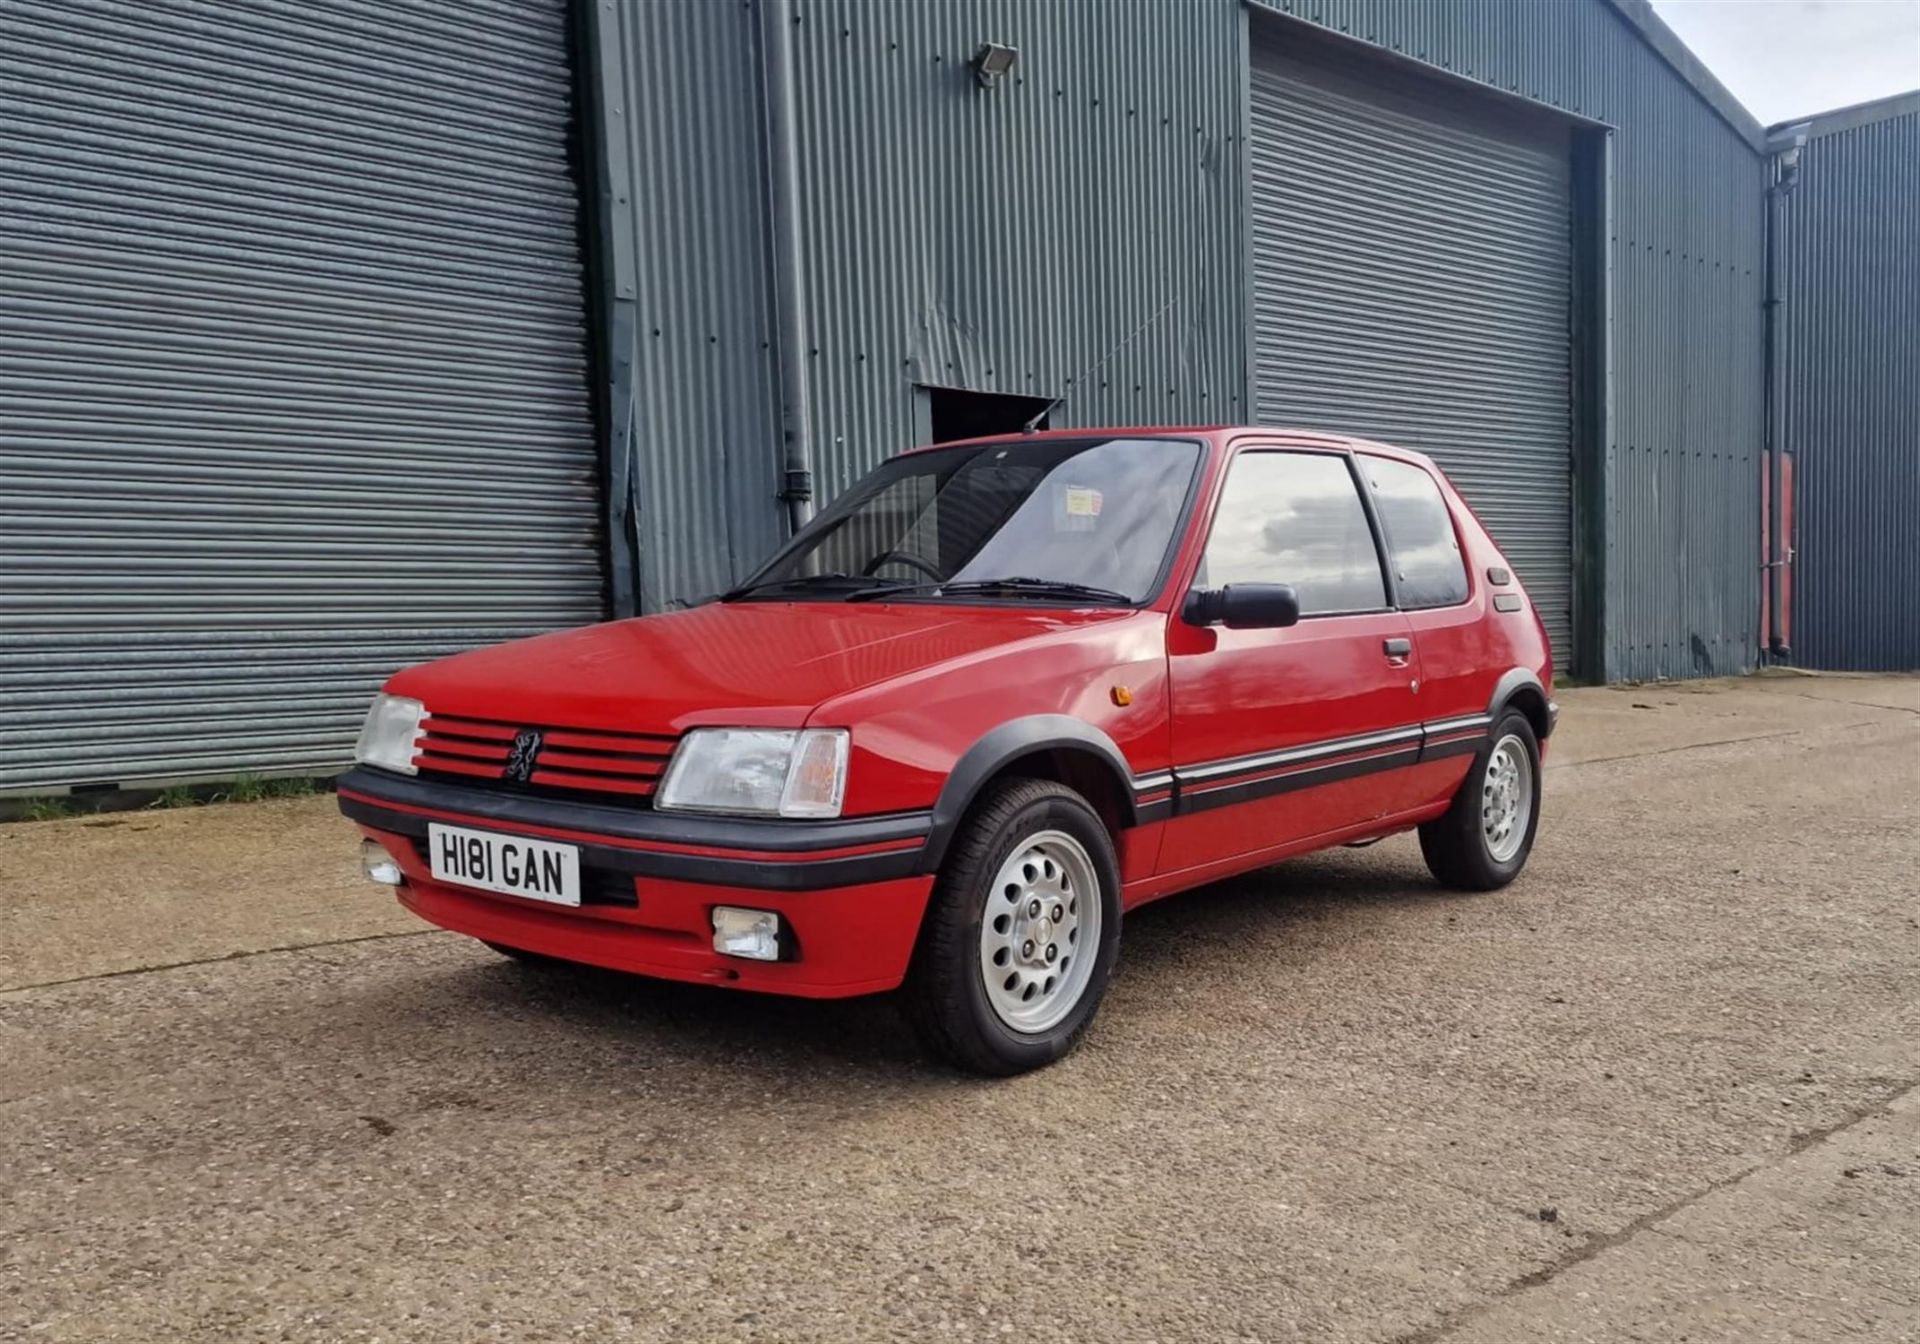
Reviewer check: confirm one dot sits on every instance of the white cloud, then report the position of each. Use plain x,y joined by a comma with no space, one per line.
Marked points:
1788,58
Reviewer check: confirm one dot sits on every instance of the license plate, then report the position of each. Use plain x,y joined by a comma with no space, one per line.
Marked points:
512,865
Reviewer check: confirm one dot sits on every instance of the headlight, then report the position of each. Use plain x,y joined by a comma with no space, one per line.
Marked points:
769,772
392,728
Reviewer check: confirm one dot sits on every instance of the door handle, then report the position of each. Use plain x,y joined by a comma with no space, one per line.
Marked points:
1398,648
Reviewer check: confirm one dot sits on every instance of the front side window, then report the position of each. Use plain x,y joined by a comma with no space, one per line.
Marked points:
1096,514
1296,518
1421,542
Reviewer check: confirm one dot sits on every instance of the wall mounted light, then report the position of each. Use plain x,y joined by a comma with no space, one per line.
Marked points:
1786,145
991,62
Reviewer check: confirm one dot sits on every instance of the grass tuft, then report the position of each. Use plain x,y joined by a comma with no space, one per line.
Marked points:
245,789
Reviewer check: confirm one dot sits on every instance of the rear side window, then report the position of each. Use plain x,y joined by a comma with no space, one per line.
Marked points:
1296,518
1421,542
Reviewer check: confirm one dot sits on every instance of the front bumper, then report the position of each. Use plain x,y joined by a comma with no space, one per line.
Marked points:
849,892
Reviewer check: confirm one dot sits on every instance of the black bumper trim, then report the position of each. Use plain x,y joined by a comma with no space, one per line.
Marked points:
1155,811
1462,746
482,810
1308,777
1210,785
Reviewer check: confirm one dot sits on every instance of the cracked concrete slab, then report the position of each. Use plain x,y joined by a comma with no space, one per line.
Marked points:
131,890
1325,1102
1820,1244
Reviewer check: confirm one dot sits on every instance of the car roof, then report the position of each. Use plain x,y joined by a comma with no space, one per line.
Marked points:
1306,438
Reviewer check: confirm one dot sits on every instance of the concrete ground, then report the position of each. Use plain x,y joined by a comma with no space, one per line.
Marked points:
1662,1088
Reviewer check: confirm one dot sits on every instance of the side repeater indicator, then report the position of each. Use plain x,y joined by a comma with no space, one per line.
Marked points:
1122,695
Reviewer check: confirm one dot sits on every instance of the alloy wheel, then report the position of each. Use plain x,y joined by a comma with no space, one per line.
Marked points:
1040,932
1506,798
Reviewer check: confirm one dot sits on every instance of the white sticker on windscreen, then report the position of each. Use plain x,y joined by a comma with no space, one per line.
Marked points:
1076,508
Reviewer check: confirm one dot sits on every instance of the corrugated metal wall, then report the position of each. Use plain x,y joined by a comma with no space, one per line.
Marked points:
282,280
1411,268
1683,453
291,371
1852,349
999,240
1004,239
706,406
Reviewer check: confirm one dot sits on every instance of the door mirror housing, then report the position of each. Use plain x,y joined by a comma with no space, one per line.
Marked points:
1243,606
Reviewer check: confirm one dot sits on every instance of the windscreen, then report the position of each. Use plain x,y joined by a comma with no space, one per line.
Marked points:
1097,513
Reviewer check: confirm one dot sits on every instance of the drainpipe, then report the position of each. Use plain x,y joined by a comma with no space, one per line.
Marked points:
789,294
1784,170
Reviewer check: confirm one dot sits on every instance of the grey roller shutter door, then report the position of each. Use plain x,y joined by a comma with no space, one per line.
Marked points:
1411,274
292,370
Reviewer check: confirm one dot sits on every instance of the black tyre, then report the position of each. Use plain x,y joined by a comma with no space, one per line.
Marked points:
1021,934
1482,841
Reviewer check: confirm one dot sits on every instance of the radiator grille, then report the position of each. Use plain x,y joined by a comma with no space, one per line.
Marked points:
569,762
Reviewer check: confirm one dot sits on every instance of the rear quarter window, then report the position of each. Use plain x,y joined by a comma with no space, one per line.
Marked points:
1423,548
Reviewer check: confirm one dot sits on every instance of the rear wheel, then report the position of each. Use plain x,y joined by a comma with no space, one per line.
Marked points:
1483,840
1021,934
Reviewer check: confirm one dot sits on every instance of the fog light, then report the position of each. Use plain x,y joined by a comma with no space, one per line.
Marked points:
754,934
379,865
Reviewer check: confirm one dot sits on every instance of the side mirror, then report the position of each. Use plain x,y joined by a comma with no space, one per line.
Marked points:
1243,606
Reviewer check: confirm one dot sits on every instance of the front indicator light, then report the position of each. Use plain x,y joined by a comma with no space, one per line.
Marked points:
753,934
817,777
378,865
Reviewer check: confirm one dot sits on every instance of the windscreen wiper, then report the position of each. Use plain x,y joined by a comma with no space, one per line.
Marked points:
792,581
888,588
1018,584
1023,584
859,586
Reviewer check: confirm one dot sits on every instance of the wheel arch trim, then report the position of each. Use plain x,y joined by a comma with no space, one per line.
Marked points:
1025,737
1522,682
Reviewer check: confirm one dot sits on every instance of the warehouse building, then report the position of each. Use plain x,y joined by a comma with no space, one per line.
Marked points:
340,334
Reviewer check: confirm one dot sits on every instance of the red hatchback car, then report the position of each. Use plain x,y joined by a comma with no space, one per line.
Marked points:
1000,693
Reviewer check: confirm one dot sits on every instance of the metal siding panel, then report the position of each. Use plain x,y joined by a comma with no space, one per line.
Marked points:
1852,326
1684,456
1411,281
952,232
1004,240
706,394
953,236
292,368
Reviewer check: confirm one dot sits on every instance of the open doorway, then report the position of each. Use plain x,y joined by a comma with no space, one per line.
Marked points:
959,414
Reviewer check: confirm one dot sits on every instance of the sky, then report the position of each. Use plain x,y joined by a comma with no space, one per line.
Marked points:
1787,58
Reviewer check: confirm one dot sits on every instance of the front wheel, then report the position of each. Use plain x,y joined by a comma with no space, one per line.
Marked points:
1482,841
1021,934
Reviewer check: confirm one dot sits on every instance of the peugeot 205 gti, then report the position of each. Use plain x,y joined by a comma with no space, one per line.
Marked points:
998,694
